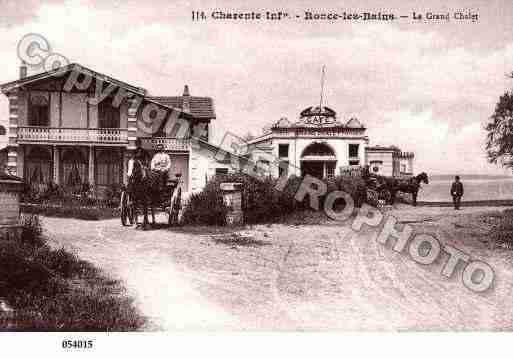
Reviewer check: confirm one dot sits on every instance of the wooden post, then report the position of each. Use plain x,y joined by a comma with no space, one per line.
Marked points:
124,156
232,195
56,165
91,165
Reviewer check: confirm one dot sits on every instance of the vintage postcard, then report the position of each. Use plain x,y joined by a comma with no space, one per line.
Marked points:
236,166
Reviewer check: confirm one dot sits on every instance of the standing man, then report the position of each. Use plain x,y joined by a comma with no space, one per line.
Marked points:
161,164
457,192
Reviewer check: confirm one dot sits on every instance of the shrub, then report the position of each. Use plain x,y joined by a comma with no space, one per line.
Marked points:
206,207
502,230
261,201
67,264
74,210
82,195
31,230
113,194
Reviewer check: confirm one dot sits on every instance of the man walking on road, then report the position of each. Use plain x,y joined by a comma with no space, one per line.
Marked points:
457,192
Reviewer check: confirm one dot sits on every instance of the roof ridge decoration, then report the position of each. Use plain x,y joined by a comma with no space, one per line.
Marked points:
323,117
354,123
317,116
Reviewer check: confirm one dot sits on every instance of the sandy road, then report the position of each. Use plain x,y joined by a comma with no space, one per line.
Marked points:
308,277
140,260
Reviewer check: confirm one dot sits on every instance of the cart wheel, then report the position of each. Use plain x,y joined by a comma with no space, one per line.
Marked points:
175,207
372,197
385,195
127,210
123,207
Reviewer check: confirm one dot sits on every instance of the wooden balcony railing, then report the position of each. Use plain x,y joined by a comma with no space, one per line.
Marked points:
33,134
170,144
53,134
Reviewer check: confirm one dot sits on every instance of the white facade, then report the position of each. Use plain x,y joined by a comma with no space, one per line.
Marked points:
321,145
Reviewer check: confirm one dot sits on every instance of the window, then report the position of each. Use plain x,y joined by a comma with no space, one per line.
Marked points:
283,150
353,150
221,171
108,167
39,111
38,165
354,163
403,168
2,130
74,167
330,170
108,116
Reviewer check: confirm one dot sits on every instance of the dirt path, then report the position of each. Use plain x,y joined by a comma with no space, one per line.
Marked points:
311,277
143,262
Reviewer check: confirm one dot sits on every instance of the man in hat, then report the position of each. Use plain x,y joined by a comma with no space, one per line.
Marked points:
457,192
161,164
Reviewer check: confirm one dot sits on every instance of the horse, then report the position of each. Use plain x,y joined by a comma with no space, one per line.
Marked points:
411,185
144,189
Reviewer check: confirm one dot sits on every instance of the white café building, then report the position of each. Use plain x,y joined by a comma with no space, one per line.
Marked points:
322,145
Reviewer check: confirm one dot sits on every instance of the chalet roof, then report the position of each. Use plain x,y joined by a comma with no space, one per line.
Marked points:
9,86
60,72
198,107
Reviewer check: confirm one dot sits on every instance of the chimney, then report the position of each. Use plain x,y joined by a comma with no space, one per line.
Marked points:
186,105
23,70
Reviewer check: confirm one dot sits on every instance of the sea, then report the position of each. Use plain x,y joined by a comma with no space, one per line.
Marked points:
477,188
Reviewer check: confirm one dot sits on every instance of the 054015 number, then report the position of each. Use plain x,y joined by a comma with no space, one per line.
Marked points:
77,344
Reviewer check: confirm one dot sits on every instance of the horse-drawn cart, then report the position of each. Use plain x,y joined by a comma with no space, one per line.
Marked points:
384,189
377,190
168,199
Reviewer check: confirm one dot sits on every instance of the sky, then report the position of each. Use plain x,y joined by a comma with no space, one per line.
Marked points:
427,87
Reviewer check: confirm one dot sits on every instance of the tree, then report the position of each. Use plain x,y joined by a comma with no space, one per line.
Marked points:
499,138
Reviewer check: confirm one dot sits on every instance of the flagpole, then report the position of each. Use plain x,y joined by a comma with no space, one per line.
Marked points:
322,88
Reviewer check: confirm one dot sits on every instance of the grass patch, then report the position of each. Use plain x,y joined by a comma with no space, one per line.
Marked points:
42,289
501,233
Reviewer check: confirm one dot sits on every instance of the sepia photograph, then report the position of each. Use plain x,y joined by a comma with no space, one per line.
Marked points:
255,167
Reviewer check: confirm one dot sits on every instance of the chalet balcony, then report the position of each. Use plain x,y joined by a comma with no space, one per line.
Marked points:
33,134
170,144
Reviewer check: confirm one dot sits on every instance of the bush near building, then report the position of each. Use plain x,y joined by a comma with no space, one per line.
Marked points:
261,202
501,233
43,289
82,201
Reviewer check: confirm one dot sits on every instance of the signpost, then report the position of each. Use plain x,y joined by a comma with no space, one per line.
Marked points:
10,190
232,196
